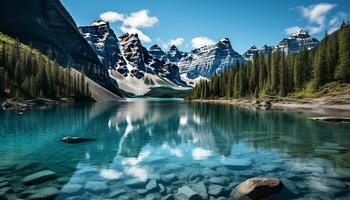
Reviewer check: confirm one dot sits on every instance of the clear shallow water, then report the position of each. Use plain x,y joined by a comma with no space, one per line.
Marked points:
147,140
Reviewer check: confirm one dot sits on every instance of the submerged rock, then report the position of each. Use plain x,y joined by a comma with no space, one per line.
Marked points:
96,186
39,177
72,188
201,189
257,188
169,178
217,180
135,183
216,190
187,193
75,140
45,193
152,186
237,163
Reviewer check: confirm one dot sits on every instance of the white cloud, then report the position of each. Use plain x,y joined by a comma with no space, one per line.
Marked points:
199,42
132,23
143,37
111,16
200,154
176,42
291,30
140,19
317,13
336,21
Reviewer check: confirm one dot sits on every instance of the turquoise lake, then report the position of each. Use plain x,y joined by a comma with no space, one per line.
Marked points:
173,144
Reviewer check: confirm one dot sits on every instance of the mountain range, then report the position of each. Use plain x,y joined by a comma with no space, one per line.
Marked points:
122,65
293,44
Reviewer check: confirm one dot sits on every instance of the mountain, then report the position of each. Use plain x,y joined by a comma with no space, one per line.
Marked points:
156,52
297,41
293,44
104,42
130,63
174,55
47,26
205,61
249,54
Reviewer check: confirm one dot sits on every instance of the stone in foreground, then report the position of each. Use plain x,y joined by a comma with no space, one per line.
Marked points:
46,193
39,177
75,140
187,193
256,188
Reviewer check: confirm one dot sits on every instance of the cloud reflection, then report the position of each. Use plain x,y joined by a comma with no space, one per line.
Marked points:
110,174
201,154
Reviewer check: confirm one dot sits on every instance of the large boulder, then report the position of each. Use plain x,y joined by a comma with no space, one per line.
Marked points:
256,188
39,177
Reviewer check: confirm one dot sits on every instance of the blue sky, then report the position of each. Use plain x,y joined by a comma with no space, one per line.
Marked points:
193,23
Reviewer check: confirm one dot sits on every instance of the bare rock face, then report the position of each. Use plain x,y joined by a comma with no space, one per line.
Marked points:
148,61
47,26
297,42
256,188
208,60
102,39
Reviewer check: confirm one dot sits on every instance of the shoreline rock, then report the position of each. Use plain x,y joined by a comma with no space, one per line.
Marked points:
332,119
256,188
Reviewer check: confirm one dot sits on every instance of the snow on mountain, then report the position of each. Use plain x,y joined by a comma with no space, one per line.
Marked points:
205,61
174,55
102,39
157,52
209,60
252,51
297,41
129,63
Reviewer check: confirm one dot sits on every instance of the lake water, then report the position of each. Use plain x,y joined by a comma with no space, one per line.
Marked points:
149,149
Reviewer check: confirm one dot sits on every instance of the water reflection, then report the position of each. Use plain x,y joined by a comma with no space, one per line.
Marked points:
141,141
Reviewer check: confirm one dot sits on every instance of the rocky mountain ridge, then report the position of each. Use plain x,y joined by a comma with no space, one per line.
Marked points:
129,62
293,44
204,61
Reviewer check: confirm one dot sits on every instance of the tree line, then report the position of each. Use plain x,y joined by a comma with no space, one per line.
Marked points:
278,74
26,73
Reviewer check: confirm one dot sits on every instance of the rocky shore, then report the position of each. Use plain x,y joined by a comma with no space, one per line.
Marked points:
327,102
21,105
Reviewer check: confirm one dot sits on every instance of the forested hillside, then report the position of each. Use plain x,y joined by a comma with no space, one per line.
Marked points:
26,73
300,74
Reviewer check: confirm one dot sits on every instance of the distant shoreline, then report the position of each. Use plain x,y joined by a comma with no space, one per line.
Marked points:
327,102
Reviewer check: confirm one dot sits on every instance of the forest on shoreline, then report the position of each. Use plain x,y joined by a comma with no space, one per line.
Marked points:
303,74
26,73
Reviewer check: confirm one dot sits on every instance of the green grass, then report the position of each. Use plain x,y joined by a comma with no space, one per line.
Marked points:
330,89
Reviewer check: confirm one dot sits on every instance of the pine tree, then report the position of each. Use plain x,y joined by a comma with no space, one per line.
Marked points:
320,67
275,64
283,77
342,72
